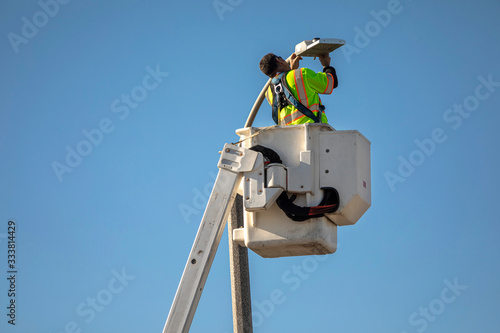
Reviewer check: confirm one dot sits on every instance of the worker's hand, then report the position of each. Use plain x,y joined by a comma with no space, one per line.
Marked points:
325,59
294,61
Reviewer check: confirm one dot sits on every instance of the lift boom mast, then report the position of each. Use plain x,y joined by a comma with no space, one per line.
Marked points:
233,162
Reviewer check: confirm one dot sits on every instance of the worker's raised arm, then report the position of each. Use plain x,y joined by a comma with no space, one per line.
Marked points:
294,61
325,60
321,83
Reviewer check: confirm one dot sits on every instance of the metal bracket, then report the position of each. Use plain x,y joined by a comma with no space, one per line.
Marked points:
256,195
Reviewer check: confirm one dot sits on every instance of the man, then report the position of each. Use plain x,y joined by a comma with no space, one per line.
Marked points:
304,84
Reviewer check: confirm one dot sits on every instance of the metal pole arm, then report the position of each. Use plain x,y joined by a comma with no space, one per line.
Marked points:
257,105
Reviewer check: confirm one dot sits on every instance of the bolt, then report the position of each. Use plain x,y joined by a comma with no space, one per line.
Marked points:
328,150
248,179
327,171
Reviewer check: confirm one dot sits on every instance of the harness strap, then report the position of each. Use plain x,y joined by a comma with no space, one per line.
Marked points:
281,89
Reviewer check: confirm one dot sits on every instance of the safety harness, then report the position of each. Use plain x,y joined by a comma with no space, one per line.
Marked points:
284,97
328,204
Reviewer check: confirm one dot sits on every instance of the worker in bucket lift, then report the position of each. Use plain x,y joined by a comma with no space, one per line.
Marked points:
297,89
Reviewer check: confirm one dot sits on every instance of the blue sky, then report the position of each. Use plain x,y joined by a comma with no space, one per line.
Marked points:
149,91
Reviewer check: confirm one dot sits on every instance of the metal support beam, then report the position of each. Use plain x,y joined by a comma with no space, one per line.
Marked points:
233,162
240,273
202,253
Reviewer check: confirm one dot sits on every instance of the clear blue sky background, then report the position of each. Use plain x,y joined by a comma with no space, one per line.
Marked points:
118,211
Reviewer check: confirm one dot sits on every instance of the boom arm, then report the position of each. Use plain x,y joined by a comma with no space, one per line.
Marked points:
233,162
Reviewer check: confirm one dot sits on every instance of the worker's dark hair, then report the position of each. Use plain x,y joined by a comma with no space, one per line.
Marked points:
268,64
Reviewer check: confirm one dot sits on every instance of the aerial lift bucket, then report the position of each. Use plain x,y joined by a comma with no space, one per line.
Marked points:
314,157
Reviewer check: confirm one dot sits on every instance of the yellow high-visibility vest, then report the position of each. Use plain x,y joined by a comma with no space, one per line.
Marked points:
305,85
